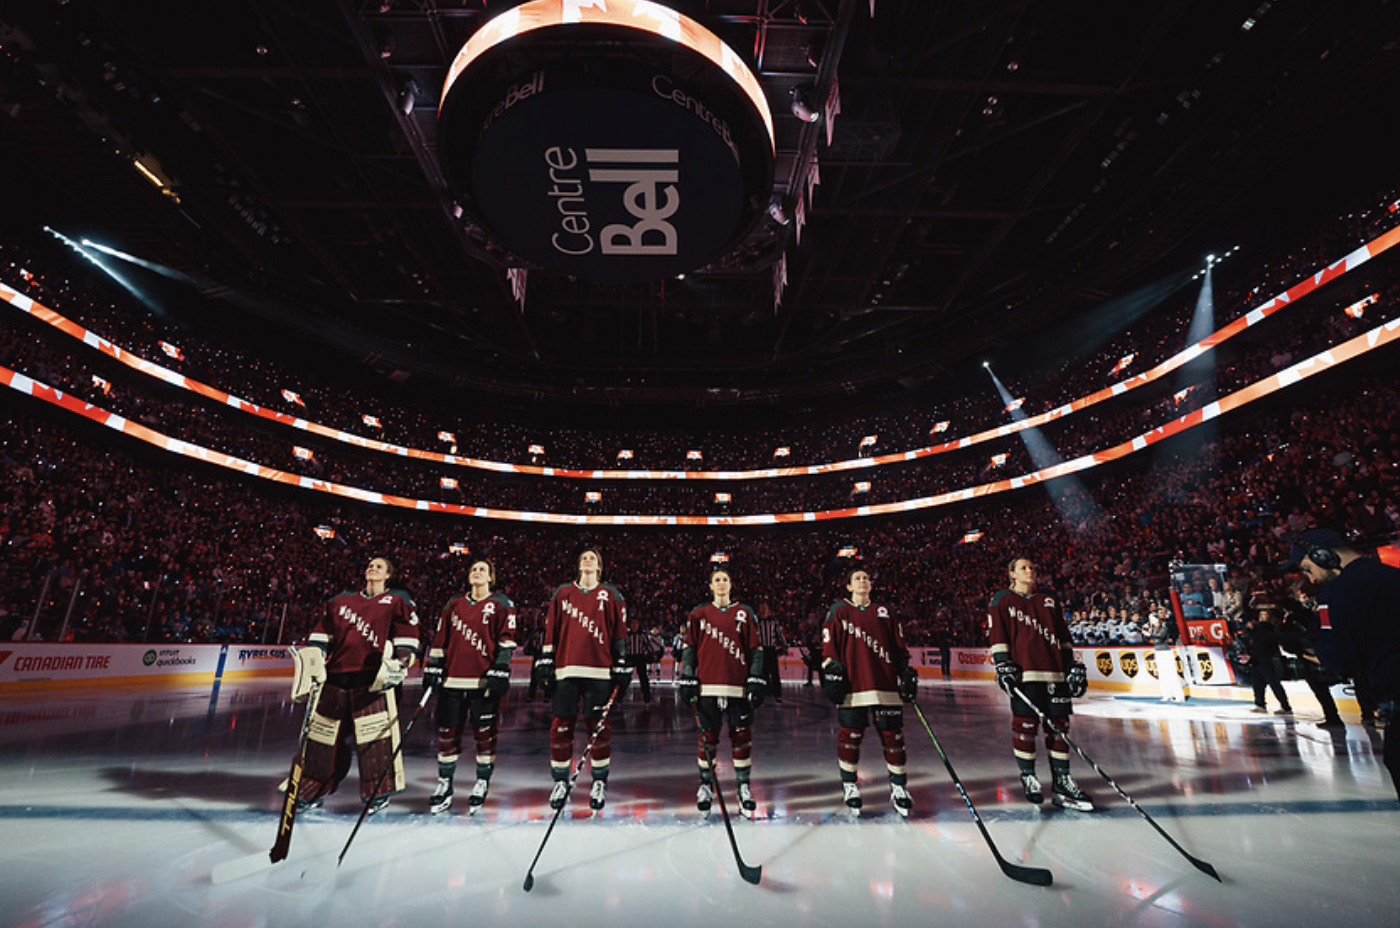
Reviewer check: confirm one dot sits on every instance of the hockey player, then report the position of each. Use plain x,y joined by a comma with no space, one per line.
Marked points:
722,676
369,639
583,659
469,665
866,673
1031,648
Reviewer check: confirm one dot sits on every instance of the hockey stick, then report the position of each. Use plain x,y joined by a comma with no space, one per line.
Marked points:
374,794
1035,876
749,873
1196,862
287,819
240,867
569,785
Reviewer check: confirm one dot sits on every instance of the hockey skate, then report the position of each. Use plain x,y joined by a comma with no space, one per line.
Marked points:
850,792
378,804
1031,784
746,804
558,794
442,796
597,796
1067,793
901,800
704,796
310,805
478,795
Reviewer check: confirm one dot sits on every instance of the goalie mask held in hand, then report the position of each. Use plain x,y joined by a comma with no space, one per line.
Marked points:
309,669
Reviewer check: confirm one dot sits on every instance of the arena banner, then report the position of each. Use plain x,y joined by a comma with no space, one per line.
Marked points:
1110,667
43,665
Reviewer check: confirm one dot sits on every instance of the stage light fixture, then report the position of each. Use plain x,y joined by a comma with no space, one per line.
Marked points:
801,110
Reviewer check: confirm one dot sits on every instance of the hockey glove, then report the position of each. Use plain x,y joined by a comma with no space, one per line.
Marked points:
757,689
1008,674
544,673
621,675
1077,679
908,684
689,689
434,673
834,683
497,682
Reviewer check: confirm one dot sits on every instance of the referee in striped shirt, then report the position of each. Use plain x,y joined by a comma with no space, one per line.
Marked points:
770,635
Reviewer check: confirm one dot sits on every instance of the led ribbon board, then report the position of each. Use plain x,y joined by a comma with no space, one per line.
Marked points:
613,140
1255,316
1329,359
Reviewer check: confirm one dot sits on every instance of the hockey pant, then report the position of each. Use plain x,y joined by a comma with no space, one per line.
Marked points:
372,719
889,725
594,696
713,710
455,708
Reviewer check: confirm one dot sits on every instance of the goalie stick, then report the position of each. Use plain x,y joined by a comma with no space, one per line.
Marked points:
1035,876
569,787
749,873
1196,862
287,819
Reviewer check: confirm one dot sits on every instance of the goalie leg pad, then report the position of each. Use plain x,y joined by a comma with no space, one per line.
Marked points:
377,740
321,772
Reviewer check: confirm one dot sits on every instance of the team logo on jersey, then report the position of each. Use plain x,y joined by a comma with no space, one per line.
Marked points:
1150,659
1129,662
1104,661
602,596
882,612
740,617
488,610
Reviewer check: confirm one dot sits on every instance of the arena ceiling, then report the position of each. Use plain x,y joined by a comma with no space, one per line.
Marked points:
996,168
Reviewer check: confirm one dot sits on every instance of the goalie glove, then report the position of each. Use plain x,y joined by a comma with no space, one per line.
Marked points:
391,673
1008,674
310,668
908,684
497,682
756,688
1077,679
834,683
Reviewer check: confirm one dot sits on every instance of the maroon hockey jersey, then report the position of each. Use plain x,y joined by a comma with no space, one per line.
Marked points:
470,635
580,627
1030,631
870,644
356,628
724,641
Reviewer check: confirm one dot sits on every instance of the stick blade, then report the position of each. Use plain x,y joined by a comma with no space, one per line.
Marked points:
1033,876
750,874
529,882
1205,868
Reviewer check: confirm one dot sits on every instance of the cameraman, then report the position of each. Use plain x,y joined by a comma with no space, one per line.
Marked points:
1359,599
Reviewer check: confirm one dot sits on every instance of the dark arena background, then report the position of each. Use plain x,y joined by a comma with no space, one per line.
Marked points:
788,286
